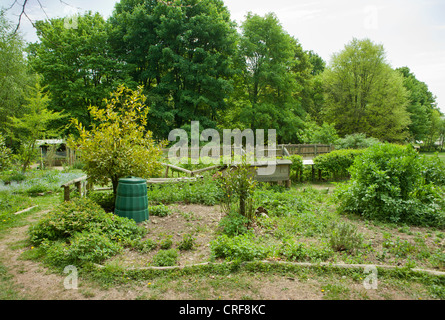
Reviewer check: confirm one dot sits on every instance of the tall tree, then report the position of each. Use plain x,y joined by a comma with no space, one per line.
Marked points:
181,53
421,104
273,64
14,76
76,63
364,94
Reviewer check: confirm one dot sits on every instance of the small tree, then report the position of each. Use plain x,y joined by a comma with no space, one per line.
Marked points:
238,184
33,125
118,144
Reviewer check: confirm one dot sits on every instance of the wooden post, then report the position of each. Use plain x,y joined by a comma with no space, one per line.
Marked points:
66,193
313,173
288,183
319,174
78,185
166,171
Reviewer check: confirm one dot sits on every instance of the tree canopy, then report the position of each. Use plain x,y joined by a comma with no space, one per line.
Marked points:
364,94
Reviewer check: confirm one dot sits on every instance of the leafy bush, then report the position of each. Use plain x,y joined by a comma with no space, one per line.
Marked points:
297,251
81,231
187,243
355,141
337,162
159,210
433,169
234,224
5,155
104,199
387,184
345,237
166,258
84,247
243,247
238,186
82,215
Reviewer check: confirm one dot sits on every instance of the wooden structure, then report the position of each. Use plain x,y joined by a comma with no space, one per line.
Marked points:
79,184
307,151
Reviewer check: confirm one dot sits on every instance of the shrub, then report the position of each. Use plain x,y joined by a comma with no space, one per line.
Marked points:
297,251
81,231
243,247
104,199
82,215
84,247
144,246
433,169
238,186
187,243
355,141
387,184
337,162
166,258
234,224
5,155
345,237
159,210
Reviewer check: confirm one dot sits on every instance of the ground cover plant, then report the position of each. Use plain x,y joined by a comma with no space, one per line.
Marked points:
188,226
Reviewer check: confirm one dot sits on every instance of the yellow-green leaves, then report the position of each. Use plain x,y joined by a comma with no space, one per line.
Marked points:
118,144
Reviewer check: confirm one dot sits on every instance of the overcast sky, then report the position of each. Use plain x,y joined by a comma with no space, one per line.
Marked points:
411,31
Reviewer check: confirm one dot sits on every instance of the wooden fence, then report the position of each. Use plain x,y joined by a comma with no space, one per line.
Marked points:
308,151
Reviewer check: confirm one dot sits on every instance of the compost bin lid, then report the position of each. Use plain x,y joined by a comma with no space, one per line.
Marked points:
132,180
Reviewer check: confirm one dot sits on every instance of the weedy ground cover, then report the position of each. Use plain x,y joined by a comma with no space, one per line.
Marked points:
188,227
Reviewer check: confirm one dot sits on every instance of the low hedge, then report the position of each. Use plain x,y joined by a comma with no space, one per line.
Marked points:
336,163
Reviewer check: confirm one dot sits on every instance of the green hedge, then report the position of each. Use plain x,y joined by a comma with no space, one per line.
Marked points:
337,163
393,183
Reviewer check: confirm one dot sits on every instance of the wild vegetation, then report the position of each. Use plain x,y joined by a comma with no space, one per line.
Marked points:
377,201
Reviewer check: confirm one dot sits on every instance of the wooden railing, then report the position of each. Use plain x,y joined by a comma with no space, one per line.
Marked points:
307,150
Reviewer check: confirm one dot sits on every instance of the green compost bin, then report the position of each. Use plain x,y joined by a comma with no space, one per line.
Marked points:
131,199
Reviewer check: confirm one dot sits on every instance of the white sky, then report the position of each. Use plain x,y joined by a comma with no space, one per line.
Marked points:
411,31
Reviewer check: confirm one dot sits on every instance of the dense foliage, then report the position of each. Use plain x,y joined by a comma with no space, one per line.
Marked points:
392,183
118,145
81,231
337,162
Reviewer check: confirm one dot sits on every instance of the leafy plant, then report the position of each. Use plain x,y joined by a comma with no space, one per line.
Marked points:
345,237
5,155
187,243
159,210
238,184
104,199
118,145
242,247
337,162
166,243
234,224
296,166
355,141
387,184
166,258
